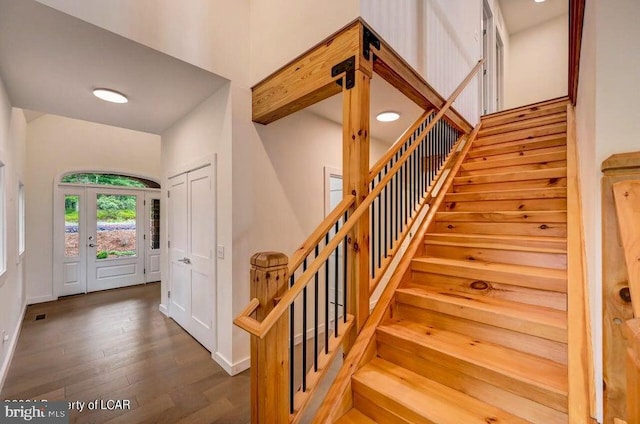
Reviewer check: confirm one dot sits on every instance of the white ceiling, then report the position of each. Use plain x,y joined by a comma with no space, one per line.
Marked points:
51,61
384,97
522,14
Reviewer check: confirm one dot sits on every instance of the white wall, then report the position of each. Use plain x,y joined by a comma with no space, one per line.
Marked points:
438,38
56,145
538,63
283,29
204,132
608,122
211,34
12,295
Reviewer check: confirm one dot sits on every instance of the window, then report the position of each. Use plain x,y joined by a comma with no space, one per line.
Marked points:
108,180
21,220
3,222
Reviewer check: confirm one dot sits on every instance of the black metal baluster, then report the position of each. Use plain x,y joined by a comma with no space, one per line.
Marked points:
344,272
292,338
315,318
326,299
335,294
304,331
386,218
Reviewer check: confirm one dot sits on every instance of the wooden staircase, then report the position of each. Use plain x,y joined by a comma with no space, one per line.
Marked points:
477,331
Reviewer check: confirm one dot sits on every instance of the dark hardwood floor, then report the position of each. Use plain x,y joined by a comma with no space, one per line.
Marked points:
116,345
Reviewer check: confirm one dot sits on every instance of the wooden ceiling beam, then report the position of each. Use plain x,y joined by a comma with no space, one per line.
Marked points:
307,79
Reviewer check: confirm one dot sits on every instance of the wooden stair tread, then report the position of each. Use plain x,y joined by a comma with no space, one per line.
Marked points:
534,143
482,357
492,177
528,133
539,321
518,159
353,416
493,244
522,194
503,216
523,124
521,243
520,275
419,400
545,104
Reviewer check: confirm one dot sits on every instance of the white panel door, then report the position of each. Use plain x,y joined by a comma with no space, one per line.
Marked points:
74,251
180,284
192,237
115,254
152,237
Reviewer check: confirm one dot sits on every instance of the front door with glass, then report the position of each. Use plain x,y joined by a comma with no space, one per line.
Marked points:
115,247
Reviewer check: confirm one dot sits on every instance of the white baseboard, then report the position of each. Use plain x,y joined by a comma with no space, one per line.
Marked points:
4,369
164,310
40,299
232,369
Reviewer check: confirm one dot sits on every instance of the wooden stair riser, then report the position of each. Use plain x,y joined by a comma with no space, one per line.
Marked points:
530,133
376,411
418,400
517,115
514,229
491,313
517,146
539,193
543,260
551,154
521,154
523,124
505,216
516,168
507,205
489,176
511,185
479,360
510,402
546,244
523,342
355,417
507,292
535,278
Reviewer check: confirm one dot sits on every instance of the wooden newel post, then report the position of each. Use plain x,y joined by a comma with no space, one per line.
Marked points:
270,355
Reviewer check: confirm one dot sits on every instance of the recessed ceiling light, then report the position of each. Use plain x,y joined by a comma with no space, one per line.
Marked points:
388,116
109,95
539,1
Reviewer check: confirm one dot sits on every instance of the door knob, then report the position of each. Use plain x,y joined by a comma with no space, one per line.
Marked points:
92,245
186,261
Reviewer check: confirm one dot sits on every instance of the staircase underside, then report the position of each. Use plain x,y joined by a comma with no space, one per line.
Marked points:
477,331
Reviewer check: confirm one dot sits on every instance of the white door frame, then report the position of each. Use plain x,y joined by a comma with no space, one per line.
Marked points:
59,191
153,258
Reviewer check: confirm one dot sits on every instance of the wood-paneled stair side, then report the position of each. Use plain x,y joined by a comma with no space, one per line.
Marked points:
477,330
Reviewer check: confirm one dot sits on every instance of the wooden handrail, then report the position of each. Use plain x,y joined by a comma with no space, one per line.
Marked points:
260,329
312,241
627,198
380,164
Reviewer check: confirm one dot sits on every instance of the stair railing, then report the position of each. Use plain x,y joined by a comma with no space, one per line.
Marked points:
298,316
627,202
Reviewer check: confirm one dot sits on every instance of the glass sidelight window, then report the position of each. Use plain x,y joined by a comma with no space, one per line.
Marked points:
154,224
71,226
116,226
